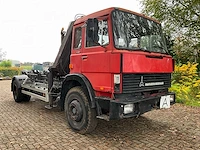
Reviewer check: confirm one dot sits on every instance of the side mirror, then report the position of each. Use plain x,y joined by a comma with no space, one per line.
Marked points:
92,30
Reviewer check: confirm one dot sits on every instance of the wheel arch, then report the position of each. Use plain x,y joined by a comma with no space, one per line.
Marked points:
73,80
19,80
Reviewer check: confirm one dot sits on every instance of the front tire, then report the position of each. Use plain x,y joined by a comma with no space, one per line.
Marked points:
80,117
18,95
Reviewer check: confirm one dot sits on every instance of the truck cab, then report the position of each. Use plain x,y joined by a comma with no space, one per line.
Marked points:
123,54
112,64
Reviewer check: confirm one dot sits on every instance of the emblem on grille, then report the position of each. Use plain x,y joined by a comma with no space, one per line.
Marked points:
141,82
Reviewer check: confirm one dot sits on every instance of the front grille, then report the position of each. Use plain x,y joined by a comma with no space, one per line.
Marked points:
145,82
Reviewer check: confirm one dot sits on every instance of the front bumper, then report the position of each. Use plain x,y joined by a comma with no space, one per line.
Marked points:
121,108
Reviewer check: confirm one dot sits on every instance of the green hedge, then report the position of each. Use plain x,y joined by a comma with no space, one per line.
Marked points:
10,71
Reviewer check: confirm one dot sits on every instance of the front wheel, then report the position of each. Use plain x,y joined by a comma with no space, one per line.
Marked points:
80,117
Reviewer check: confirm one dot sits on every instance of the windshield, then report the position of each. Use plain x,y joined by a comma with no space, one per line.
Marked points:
133,32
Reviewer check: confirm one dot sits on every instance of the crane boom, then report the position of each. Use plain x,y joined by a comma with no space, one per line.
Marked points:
61,63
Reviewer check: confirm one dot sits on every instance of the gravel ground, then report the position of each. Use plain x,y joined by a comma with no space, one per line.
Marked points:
29,125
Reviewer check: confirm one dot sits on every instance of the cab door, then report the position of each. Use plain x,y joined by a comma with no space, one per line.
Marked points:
76,50
96,57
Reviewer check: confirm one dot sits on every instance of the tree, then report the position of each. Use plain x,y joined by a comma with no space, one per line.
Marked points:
181,21
6,63
2,54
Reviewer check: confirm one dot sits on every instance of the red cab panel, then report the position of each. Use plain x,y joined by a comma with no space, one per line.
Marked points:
75,63
115,62
95,62
147,63
100,81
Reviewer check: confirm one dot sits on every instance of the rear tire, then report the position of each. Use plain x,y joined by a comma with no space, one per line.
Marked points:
18,95
80,117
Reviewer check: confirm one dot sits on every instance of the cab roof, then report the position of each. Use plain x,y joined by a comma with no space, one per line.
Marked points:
108,11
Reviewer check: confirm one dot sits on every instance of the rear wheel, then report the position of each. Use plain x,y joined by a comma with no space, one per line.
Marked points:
80,117
18,95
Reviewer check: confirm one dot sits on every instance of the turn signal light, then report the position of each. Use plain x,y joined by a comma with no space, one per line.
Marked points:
70,66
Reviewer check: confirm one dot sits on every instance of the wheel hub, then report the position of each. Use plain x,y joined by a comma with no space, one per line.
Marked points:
75,110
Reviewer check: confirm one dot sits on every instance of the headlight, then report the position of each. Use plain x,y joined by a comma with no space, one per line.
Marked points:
117,82
116,78
129,108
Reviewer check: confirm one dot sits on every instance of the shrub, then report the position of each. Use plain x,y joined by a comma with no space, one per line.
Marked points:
186,84
10,71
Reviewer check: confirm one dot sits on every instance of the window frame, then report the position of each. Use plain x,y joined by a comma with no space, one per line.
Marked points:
80,40
98,34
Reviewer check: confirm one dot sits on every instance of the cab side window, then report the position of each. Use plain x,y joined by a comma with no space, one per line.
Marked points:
77,38
103,38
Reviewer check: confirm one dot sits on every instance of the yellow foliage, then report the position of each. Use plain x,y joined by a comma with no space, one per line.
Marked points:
186,83
198,81
196,84
185,73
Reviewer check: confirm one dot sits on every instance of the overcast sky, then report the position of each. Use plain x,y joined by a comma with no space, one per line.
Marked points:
30,29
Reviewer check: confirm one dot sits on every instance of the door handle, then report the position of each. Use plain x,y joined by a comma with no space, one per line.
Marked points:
84,57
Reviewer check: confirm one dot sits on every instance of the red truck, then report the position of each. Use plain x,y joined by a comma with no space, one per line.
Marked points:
112,64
